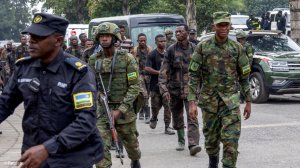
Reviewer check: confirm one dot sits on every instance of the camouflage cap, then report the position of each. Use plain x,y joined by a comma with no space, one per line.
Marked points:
240,34
220,17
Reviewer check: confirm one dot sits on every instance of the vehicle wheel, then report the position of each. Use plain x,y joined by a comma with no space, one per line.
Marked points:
259,94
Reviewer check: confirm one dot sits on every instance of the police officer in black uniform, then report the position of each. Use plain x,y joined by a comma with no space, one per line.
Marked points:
59,95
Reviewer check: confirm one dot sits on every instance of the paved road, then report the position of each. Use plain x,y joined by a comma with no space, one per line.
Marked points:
270,139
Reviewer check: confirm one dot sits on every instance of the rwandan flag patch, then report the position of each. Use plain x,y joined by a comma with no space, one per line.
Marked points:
246,69
132,76
83,100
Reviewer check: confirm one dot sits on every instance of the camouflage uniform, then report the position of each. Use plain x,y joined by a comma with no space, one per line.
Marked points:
219,67
171,41
123,92
22,51
74,50
141,57
173,79
247,48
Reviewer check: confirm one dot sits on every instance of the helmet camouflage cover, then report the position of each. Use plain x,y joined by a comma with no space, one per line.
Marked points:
108,28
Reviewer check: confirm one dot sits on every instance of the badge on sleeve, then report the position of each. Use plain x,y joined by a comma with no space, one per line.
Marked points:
132,76
246,69
83,100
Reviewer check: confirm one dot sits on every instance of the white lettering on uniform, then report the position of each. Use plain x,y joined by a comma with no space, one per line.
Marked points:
62,85
22,80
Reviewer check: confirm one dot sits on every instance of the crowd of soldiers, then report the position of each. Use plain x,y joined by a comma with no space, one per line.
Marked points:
178,74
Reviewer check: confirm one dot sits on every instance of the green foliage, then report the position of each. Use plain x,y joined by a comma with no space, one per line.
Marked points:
258,7
76,11
14,18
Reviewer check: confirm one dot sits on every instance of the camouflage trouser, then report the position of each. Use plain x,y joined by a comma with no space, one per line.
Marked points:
225,127
156,103
178,119
127,133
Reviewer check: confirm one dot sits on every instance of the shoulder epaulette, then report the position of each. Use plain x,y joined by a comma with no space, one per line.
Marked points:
18,62
75,63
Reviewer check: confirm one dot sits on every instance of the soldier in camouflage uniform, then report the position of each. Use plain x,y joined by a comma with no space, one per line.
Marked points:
74,49
141,53
169,37
22,50
122,92
9,56
173,85
248,49
217,64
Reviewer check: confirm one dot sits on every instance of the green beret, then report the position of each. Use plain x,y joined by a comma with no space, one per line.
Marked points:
220,17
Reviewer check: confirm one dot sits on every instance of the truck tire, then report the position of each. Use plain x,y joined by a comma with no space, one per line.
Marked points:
259,94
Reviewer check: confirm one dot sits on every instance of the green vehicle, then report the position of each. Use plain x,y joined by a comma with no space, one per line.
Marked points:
276,64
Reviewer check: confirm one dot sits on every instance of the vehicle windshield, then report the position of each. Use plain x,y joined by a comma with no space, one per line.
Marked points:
150,32
272,43
239,20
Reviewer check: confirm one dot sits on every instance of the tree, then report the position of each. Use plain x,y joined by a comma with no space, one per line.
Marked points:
14,18
295,19
258,7
76,11
191,14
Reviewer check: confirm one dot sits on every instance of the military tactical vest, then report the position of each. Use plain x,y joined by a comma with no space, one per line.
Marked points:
119,85
178,78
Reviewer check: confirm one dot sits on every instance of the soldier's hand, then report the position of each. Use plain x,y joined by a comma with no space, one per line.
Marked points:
193,112
116,114
167,96
34,157
247,110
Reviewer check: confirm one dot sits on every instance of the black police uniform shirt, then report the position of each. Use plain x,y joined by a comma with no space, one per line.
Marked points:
60,109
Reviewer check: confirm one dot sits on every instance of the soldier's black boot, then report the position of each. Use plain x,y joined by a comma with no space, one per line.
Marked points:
135,164
213,161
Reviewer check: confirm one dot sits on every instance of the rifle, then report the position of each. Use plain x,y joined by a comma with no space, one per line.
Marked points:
104,98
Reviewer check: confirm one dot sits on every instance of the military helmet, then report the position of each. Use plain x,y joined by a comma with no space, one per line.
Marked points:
168,31
241,34
108,28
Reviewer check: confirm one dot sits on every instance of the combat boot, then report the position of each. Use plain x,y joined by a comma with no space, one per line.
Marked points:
213,161
194,150
135,164
181,140
147,114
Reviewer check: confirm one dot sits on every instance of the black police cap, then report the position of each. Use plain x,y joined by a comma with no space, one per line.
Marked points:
45,24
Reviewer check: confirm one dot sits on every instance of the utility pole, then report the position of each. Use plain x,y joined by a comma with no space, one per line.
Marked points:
295,19
191,14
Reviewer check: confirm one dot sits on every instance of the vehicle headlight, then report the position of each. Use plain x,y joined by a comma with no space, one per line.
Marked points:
279,66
